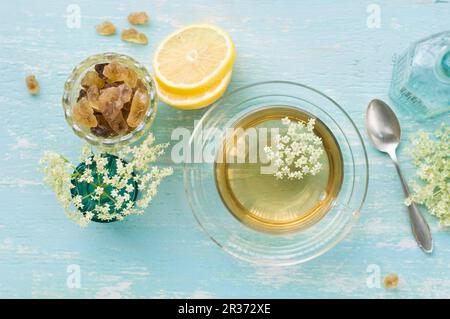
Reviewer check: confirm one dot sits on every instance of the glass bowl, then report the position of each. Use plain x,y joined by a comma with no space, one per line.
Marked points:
251,244
73,86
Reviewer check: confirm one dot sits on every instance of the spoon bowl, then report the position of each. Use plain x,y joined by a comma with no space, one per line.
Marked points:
382,125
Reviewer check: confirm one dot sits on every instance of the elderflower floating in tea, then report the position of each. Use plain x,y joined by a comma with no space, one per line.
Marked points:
297,152
105,187
431,158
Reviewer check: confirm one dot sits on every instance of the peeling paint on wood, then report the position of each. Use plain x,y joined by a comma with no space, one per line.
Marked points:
164,254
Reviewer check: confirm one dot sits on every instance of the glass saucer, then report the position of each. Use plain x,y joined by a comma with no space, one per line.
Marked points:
252,244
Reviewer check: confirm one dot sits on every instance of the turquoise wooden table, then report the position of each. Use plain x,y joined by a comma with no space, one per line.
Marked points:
343,48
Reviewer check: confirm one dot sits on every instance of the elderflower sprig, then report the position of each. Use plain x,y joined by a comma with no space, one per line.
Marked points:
297,152
114,181
431,158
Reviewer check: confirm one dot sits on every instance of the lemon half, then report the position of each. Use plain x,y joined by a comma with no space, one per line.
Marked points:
194,101
193,60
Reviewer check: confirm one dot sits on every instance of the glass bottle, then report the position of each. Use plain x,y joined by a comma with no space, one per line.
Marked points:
421,77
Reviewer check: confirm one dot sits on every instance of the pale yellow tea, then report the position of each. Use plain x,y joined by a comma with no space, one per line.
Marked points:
260,200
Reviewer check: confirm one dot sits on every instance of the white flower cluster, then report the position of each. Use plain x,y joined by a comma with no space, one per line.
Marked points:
132,166
431,157
297,152
149,177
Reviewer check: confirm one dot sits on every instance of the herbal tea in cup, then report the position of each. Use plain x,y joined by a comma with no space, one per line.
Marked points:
278,197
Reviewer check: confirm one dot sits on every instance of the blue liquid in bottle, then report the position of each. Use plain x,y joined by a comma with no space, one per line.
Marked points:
421,77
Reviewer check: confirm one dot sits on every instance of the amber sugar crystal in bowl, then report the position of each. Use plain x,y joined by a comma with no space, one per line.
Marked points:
109,100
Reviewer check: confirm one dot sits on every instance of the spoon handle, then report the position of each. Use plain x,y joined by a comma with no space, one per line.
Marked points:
419,225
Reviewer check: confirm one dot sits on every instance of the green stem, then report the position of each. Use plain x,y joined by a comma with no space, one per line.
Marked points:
111,198
86,196
75,174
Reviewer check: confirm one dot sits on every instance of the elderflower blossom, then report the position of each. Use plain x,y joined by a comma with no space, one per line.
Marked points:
431,157
113,194
297,152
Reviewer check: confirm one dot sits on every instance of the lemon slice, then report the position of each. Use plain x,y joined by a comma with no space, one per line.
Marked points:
196,101
193,58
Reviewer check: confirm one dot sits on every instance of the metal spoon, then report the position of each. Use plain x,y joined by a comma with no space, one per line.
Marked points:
383,129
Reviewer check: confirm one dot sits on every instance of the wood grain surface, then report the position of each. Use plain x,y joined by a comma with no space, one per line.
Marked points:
328,45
